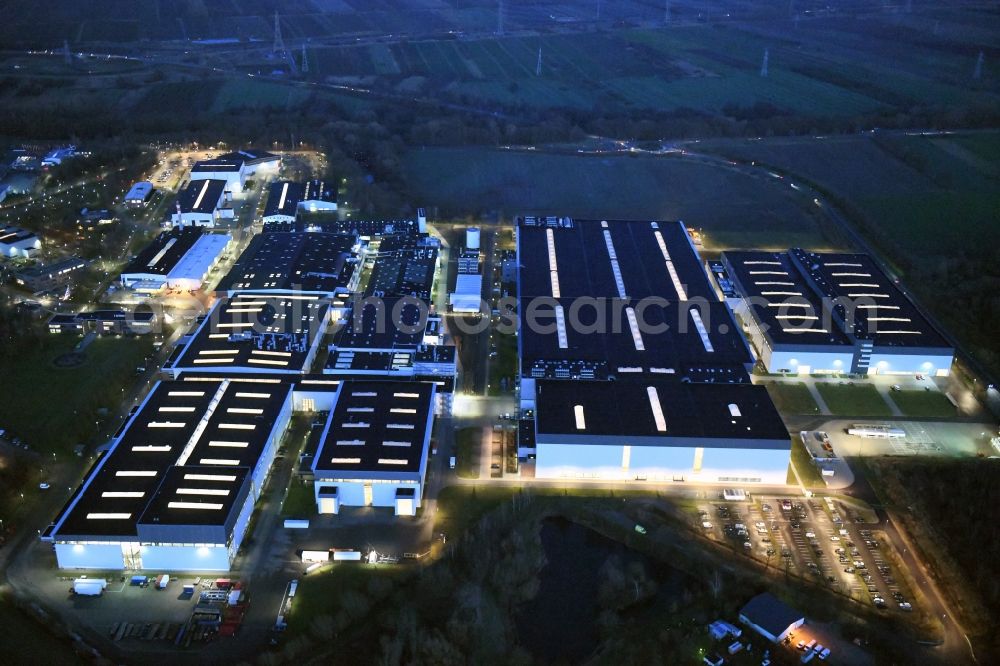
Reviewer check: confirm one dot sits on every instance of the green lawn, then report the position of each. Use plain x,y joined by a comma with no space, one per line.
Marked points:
853,400
468,442
53,409
923,403
300,501
792,398
808,472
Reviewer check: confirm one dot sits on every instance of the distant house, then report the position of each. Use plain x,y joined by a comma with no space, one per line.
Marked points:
714,659
770,617
319,196
104,322
90,219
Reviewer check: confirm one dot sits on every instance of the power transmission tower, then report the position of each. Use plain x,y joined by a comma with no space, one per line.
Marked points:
598,10
763,65
500,18
279,43
666,11
305,60
538,66
977,72
67,54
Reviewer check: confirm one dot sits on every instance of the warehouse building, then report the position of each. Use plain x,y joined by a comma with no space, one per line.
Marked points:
176,489
227,169
202,203
104,322
295,263
633,368
319,196
180,258
42,278
16,242
374,447
283,199
659,431
810,313
139,193
255,334
771,617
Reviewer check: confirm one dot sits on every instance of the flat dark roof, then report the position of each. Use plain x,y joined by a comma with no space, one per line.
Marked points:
383,323
320,190
377,426
883,314
62,266
201,196
403,272
152,450
263,333
605,275
781,299
250,156
207,496
229,162
770,613
165,251
652,411
299,261
283,197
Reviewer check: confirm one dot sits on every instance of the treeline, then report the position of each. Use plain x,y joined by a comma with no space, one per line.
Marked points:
953,502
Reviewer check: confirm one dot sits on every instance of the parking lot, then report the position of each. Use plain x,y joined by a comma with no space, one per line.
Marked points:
937,438
820,539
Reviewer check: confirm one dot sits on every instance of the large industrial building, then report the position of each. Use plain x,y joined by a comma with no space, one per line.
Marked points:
295,263
659,430
283,199
202,203
255,334
317,196
180,258
810,312
176,489
633,368
374,447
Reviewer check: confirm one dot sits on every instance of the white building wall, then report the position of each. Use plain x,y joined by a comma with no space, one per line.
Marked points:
240,528
90,556
910,364
352,493
660,463
270,450
194,219
185,558
597,461
805,363
745,465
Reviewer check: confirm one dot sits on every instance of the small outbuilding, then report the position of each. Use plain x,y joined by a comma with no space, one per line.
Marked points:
771,617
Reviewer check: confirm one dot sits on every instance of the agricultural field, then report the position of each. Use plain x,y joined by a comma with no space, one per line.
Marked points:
753,213
928,203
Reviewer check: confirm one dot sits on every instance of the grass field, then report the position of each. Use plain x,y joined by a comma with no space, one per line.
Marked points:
468,442
53,409
808,472
928,203
792,398
853,400
752,213
300,501
828,68
923,403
